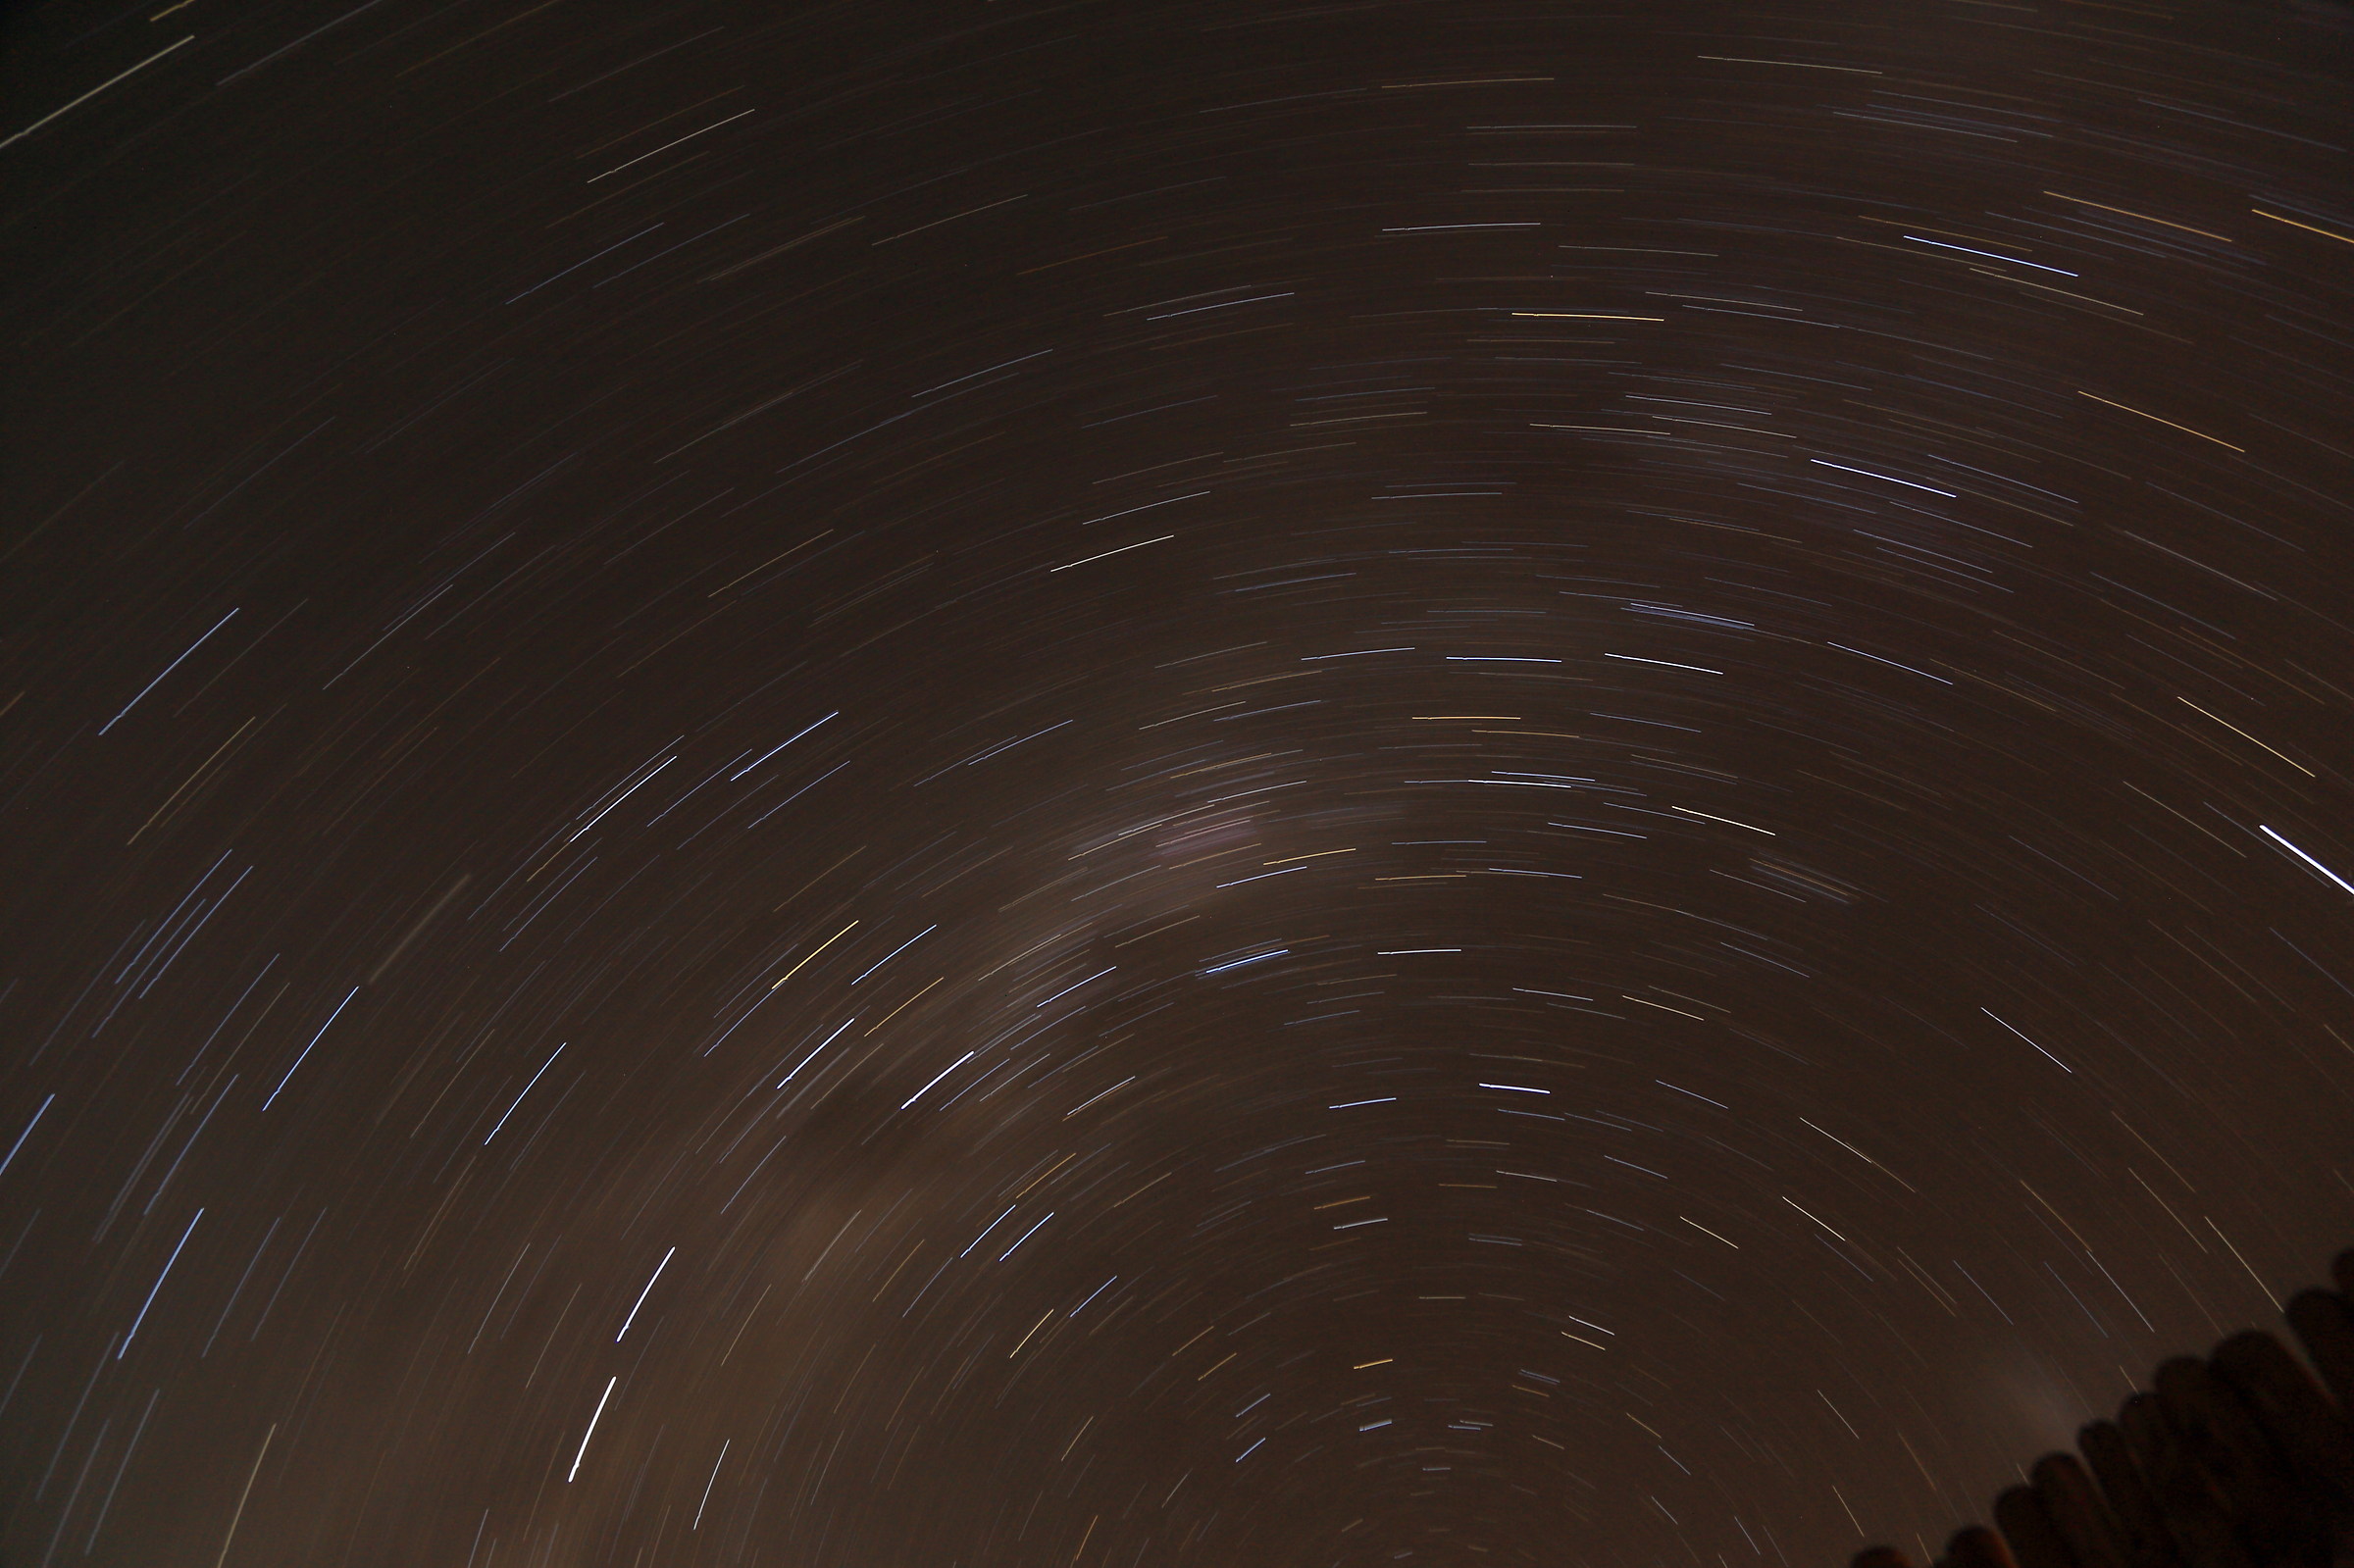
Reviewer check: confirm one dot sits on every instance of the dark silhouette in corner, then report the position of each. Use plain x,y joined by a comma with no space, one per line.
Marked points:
2240,1461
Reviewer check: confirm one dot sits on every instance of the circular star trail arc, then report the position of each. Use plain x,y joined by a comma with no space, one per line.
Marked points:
1135,785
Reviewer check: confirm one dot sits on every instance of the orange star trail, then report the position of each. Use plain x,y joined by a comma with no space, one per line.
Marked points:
1180,783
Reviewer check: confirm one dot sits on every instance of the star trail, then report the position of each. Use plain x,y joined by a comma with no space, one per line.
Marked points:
1106,785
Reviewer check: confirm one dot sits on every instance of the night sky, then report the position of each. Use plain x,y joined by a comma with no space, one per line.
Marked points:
1106,784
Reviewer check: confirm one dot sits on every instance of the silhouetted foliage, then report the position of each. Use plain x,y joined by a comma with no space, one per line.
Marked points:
2238,1461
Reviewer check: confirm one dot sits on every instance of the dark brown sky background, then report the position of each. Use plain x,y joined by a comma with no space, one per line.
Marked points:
1113,784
